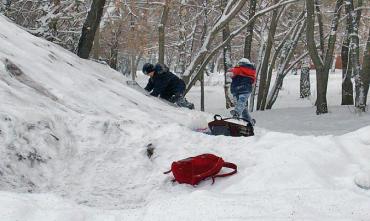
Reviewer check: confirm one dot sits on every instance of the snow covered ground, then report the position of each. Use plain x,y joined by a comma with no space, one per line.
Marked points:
290,113
73,138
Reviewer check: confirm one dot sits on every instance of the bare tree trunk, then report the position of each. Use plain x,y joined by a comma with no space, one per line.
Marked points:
305,86
96,45
133,66
89,28
161,32
321,27
259,62
191,51
289,46
217,62
285,51
204,32
347,86
113,55
202,92
139,57
227,61
322,66
182,45
227,83
262,87
365,75
249,33
355,50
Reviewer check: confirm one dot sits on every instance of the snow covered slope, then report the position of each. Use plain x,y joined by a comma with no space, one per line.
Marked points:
73,140
62,116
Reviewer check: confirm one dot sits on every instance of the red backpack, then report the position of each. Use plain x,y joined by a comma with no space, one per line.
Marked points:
192,170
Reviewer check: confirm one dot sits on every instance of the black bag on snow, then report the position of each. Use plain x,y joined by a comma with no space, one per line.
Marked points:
223,127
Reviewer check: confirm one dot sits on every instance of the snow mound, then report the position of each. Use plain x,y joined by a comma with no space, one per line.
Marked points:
68,124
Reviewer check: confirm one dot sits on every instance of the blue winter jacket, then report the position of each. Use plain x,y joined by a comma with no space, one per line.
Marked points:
242,84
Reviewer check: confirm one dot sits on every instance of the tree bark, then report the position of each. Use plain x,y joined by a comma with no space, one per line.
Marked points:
249,33
203,36
226,61
305,86
96,45
284,64
202,92
321,26
322,67
89,28
262,87
347,86
365,77
161,32
262,48
227,65
355,51
182,45
113,55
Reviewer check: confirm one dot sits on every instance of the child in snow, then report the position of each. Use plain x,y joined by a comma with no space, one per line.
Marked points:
165,84
243,76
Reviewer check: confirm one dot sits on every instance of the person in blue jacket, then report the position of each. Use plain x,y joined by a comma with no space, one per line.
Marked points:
243,77
165,84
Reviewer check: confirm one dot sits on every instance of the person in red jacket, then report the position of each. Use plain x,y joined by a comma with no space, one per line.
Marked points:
243,77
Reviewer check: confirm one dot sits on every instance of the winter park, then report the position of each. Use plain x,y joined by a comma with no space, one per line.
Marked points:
184,110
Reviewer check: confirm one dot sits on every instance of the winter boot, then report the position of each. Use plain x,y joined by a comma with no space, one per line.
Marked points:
234,114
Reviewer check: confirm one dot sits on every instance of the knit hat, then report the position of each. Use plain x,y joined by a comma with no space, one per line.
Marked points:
244,61
147,68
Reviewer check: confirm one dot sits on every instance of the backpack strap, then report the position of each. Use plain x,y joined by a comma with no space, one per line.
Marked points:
167,172
228,165
217,117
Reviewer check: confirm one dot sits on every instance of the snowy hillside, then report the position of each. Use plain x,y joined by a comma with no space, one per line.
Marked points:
73,139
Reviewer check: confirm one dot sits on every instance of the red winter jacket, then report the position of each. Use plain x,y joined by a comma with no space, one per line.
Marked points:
244,72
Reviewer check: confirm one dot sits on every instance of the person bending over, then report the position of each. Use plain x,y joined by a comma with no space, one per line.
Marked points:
165,84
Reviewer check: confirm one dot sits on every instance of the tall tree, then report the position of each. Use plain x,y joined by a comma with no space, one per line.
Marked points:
226,61
249,33
322,63
89,28
287,48
181,63
365,77
347,86
263,71
161,31
355,51
204,32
